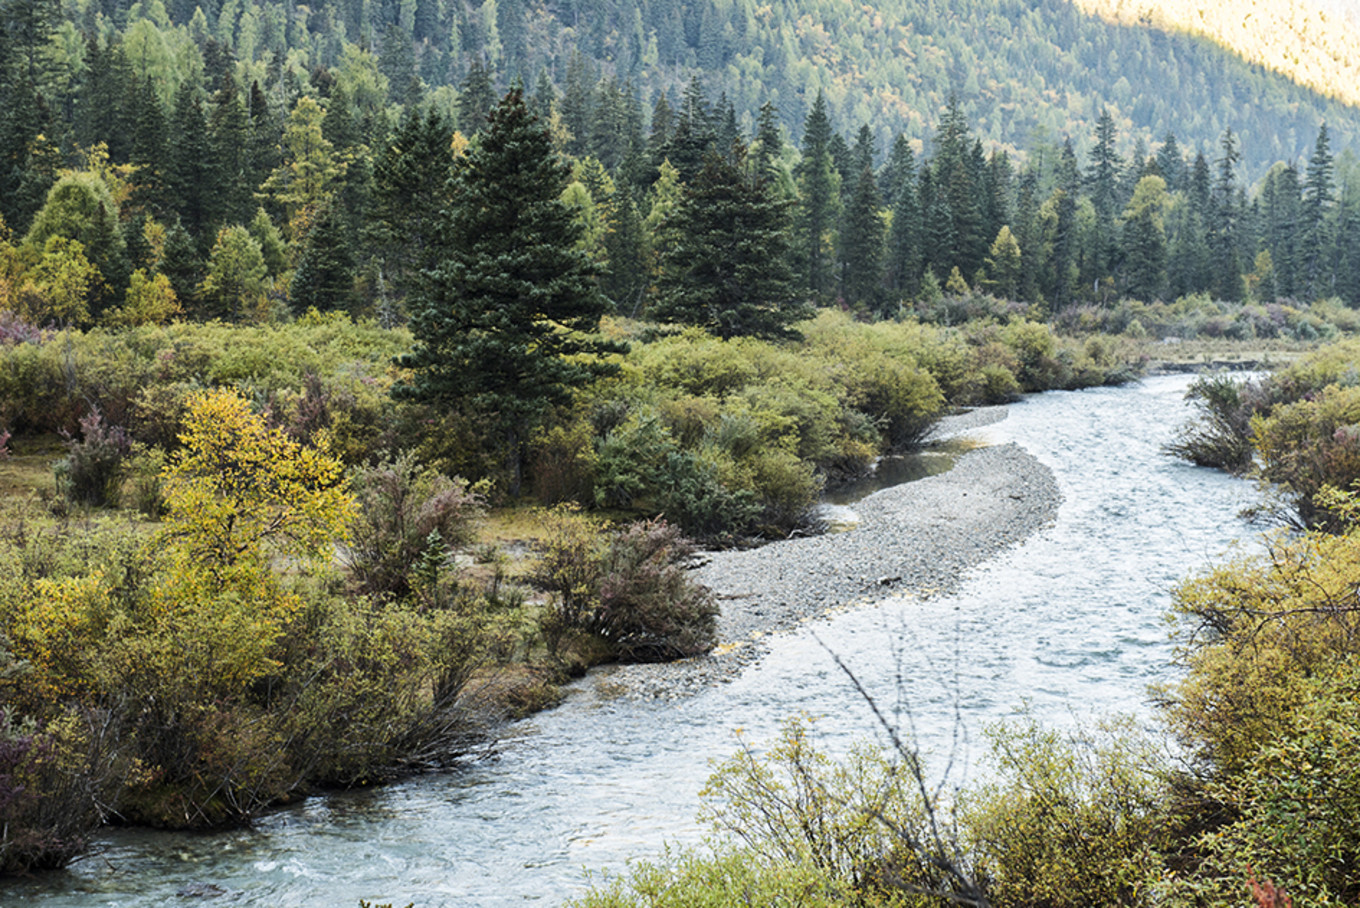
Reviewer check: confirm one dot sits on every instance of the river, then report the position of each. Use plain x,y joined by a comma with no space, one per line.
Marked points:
1067,626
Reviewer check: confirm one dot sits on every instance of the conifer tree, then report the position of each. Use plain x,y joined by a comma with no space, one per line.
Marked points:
190,192
1319,197
903,267
726,266
505,322
1224,230
410,174
324,279
819,196
862,246
476,97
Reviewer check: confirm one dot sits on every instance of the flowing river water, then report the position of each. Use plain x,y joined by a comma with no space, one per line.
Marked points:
1067,627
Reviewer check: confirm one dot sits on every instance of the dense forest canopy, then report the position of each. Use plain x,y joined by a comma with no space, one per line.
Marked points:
244,161
1023,70
1314,42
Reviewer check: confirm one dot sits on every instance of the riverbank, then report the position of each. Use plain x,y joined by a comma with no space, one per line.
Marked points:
917,539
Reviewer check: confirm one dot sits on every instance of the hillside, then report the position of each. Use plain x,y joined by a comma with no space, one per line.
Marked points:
1314,42
1028,72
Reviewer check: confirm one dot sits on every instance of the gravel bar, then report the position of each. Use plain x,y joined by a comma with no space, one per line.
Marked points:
919,538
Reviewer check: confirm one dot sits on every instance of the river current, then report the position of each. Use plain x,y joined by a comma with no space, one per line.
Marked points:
1068,627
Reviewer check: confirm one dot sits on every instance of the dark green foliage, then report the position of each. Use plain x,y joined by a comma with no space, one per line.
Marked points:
409,176
1220,435
504,322
324,279
818,201
726,266
475,99
862,246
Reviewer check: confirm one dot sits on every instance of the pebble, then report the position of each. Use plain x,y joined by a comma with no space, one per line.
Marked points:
919,538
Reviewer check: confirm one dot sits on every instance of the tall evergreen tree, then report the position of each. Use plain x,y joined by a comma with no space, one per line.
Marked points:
862,235
1225,235
476,97
190,190
504,323
1319,197
903,266
324,279
819,194
727,268
410,175
1103,180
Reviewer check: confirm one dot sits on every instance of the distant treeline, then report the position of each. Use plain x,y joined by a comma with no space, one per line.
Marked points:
235,201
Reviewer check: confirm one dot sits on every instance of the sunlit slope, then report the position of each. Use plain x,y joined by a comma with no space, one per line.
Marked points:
1314,42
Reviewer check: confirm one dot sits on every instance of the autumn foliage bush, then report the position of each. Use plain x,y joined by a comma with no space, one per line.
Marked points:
228,663
628,588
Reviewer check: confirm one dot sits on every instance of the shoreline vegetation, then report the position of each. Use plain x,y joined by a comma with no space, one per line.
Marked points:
464,610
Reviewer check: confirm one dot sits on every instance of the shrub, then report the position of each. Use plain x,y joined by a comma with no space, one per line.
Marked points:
1071,821
650,610
568,569
1309,444
406,513
869,823
93,468
56,783
1220,433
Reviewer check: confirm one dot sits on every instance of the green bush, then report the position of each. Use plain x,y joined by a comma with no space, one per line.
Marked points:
1072,821
1220,434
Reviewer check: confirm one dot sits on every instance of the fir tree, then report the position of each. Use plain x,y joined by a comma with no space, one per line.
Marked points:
819,194
504,323
324,279
476,97
1319,196
725,267
862,246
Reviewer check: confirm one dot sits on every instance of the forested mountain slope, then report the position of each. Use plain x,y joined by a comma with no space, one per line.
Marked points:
1026,71
1315,42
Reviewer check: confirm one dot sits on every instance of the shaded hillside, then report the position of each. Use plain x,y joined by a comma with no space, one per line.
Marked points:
1315,42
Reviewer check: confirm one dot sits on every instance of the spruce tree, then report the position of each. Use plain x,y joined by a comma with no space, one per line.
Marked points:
1319,197
862,246
504,323
324,279
725,267
818,191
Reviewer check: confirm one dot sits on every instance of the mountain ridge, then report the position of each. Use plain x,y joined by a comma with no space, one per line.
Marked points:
1316,43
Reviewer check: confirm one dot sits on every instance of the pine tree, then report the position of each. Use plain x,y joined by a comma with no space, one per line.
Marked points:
190,192
1319,197
1224,230
726,265
410,175
769,143
504,323
1103,180
476,97
229,141
862,246
819,194
324,279
903,267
